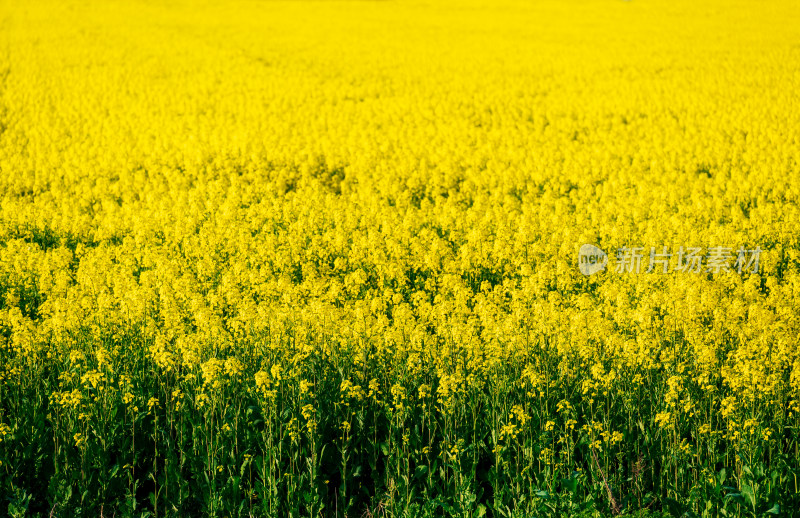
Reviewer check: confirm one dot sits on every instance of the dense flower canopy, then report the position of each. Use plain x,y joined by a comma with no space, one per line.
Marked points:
203,203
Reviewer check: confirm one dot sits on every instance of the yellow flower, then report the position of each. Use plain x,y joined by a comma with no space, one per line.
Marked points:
664,419
4,430
276,370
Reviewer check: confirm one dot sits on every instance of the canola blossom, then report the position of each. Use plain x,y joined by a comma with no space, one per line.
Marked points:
346,258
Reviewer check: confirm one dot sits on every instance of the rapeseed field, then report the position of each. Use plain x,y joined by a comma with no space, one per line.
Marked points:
399,258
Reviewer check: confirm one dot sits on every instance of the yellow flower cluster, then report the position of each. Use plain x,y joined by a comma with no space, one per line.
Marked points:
213,213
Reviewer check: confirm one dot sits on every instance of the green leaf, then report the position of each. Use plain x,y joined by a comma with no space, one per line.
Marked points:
570,484
735,496
748,494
